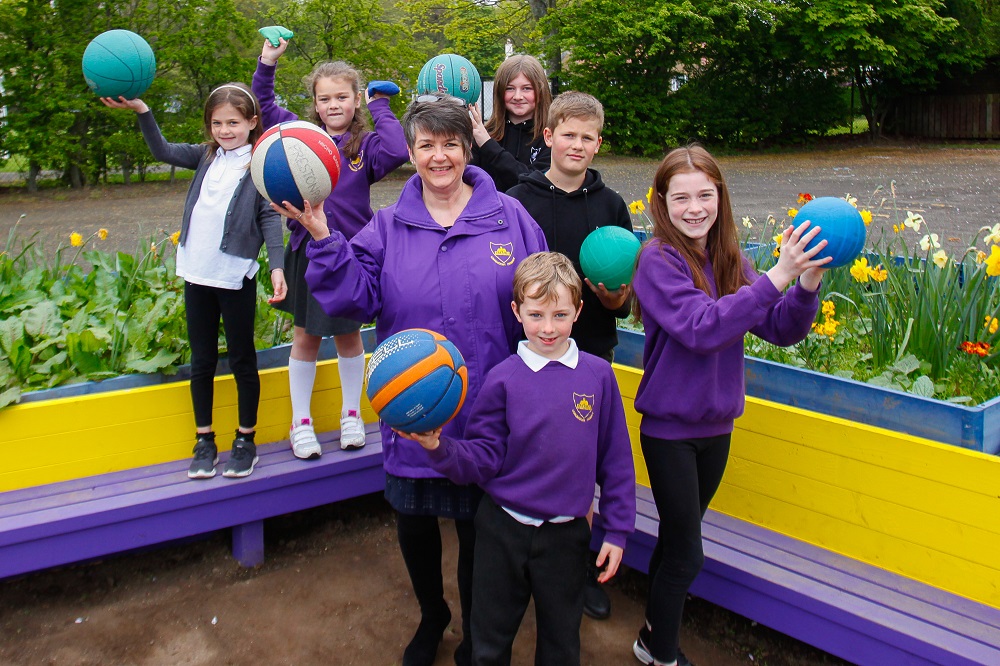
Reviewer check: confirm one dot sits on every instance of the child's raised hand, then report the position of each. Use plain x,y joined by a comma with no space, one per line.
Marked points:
429,440
613,554
275,42
794,259
136,104
280,287
479,133
313,219
612,300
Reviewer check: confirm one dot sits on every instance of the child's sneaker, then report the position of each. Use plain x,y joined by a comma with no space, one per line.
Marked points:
641,652
206,456
352,430
243,456
304,442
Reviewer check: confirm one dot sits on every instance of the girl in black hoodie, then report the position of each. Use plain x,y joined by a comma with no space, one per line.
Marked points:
510,143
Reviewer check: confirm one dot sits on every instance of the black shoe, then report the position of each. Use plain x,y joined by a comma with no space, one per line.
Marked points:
463,653
596,602
641,650
206,456
422,650
243,456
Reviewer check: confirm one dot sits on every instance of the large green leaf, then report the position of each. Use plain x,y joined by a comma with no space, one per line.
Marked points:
159,361
42,320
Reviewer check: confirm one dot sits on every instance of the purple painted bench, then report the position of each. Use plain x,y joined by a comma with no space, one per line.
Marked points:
850,609
92,517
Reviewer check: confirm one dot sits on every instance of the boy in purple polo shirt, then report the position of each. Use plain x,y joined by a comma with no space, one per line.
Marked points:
539,471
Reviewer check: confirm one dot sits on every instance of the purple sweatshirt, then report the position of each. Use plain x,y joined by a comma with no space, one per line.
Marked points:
692,384
538,441
348,208
408,271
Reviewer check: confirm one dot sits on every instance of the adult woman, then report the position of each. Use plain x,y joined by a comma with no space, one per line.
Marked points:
443,258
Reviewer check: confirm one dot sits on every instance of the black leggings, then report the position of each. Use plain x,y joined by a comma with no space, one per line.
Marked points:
683,475
236,307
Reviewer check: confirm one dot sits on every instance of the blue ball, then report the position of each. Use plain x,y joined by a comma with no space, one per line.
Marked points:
840,226
417,380
118,63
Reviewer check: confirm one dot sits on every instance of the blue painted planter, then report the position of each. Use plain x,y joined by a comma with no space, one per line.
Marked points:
976,427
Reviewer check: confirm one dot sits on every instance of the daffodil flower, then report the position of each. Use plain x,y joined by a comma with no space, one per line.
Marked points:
649,196
747,222
992,324
792,212
636,207
929,241
175,237
879,274
851,200
993,261
980,256
940,258
913,221
866,216
860,271
102,234
75,239
993,237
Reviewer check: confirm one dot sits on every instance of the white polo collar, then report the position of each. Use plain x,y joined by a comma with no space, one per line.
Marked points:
536,361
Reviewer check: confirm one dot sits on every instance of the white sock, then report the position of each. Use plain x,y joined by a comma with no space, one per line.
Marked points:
301,378
352,378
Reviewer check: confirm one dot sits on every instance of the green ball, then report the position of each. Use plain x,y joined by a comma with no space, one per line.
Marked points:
450,74
608,256
118,63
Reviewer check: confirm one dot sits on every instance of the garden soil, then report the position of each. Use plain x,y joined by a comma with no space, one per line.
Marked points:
334,588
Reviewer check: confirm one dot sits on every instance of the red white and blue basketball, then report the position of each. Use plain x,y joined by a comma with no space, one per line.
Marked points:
417,380
607,256
295,162
118,63
450,74
841,226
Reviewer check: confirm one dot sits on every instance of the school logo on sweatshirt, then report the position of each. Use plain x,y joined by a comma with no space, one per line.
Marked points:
583,407
502,253
358,163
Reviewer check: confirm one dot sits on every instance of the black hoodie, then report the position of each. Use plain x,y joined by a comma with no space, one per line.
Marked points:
519,154
567,218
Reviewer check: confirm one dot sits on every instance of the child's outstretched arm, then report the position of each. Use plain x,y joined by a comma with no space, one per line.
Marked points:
262,85
385,148
184,155
795,260
269,53
136,104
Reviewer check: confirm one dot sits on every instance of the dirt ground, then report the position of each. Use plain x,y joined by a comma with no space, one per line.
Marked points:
334,589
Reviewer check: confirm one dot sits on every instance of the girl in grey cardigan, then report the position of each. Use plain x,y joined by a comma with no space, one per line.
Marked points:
225,222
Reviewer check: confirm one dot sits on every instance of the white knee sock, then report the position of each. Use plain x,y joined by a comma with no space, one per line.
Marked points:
352,378
301,378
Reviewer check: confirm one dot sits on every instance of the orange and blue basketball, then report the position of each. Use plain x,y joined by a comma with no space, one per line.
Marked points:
416,380
841,225
118,63
607,256
450,74
295,162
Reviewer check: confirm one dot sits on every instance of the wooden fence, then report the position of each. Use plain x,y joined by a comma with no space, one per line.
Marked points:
949,116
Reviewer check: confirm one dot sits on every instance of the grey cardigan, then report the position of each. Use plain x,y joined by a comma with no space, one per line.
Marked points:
250,220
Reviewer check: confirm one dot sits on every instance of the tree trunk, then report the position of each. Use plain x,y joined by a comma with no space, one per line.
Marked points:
126,169
553,58
33,170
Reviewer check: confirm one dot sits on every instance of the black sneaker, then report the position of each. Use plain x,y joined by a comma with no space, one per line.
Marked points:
243,456
641,651
596,602
205,457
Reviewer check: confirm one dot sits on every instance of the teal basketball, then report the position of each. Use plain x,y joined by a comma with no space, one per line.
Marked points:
118,63
608,256
450,74
840,225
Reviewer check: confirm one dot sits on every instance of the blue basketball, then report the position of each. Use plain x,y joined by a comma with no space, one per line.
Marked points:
118,63
450,74
417,380
841,226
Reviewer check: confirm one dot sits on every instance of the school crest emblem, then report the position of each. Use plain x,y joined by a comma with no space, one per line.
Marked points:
583,407
358,163
502,254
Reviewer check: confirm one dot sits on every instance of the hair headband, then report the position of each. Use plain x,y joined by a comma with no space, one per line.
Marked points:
230,85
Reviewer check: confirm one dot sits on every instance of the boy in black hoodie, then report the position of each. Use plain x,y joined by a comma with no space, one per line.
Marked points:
568,201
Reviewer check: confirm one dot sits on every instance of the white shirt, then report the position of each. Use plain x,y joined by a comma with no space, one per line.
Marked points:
536,362
199,260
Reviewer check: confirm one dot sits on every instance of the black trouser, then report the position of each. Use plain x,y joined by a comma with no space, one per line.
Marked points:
420,543
236,307
515,562
683,475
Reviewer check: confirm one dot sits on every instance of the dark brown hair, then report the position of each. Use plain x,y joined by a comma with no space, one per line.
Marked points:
507,72
359,124
723,240
446,116
243,100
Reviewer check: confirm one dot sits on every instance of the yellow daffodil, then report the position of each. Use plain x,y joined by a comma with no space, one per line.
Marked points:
748,223
993,237
792,212
991,324
913,221
879,274
941,258
102,234
980,256
851,200
859,271
75,239
175,237
993,261
866,215
649,196
896,228
929,241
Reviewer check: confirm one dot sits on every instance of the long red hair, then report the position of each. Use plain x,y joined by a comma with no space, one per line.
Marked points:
722,243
